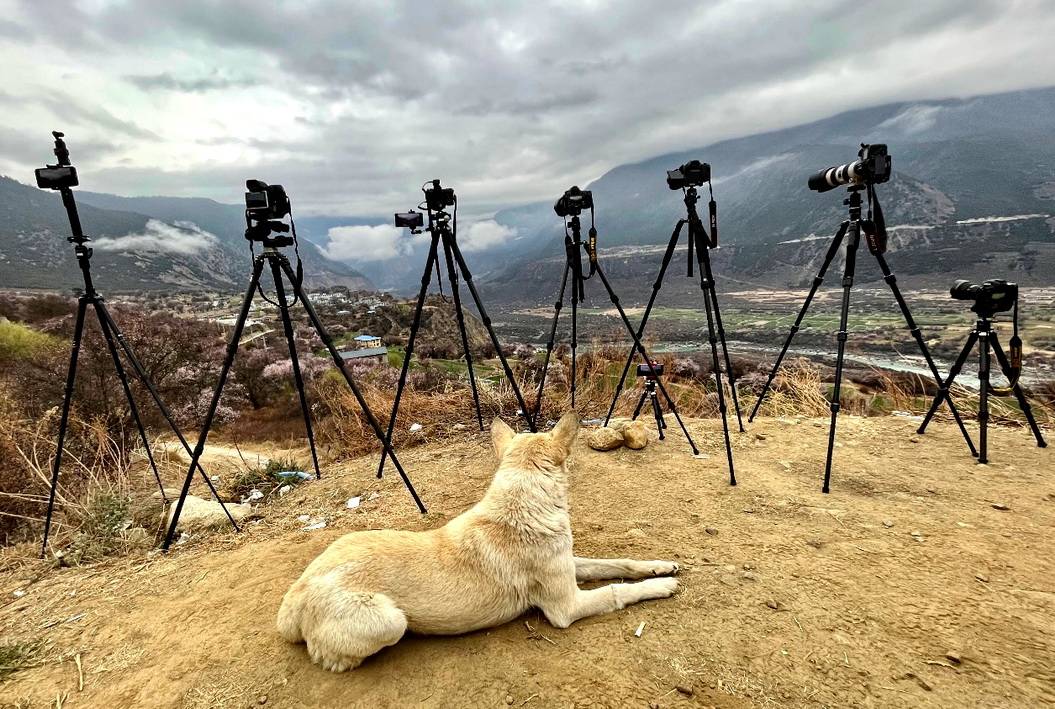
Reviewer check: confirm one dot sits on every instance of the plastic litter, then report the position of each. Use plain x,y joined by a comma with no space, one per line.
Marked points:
291,474
253,496
415,427
353,502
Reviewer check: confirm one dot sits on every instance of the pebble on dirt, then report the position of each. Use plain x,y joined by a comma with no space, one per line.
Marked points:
712,531
1001,506
685,689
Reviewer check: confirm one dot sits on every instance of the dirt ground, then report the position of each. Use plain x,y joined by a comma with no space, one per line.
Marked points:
922,580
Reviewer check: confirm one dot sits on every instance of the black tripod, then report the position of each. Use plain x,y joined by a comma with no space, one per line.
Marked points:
657,410
259,230
986,337
572,204
62,177
699,241
875,231
443,229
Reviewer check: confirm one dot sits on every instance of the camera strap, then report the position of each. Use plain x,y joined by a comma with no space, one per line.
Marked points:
874,226
712,208
591,247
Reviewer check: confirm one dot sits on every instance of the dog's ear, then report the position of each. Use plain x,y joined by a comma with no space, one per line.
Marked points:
501,436
566,429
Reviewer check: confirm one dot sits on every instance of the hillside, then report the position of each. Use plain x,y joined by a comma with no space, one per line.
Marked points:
141,243
920,584
971,196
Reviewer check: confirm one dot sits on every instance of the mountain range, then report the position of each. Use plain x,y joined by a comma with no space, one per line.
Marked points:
140,243
971,196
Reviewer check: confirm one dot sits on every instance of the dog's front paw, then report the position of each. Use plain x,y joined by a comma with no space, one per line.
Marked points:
663,568
662,587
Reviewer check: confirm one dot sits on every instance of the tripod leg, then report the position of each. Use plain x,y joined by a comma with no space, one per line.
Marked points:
524,411
71,378
339,361
144,378
657,412
713,340
225,370
844,315
1016,388
711,294
644,353
123,378
917,335
408,352
640,405
298,379
943,390
817,280
452,278
983,396
667,255
574,342
549,343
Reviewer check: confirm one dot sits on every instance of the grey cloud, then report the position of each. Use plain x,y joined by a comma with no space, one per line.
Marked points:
511,102
166,81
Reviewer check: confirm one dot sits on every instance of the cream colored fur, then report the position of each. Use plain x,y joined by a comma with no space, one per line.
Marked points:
509,552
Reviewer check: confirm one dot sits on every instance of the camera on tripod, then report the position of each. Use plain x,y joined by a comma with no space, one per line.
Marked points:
990,297
61,175
692,174
265,206
643,370
872,167
572,202
438,198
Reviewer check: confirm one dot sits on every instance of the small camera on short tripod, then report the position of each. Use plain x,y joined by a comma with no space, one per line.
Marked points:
573,202
692,174
643,370
990,297
265,207
61,175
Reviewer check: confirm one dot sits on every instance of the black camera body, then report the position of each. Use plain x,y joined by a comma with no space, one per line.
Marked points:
265,206
643,370
410,220
264,201
572,202
990,297
439,198
872,167
692,174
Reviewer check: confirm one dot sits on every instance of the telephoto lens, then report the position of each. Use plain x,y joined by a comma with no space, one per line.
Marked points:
872,167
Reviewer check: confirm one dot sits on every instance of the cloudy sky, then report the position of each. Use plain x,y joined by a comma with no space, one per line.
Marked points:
352,105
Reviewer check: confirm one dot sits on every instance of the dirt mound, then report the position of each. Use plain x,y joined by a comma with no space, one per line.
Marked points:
910,585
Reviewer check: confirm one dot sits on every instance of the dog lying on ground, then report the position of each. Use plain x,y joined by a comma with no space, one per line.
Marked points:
509,552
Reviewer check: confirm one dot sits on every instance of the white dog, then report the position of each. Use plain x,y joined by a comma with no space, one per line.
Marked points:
509,552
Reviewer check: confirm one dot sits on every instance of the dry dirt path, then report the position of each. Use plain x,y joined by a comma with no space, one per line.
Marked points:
905,587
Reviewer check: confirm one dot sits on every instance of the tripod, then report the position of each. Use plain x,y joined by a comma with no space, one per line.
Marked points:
443,230
986,337
573,246
114,338
280,267
875,231
657,411
698,240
